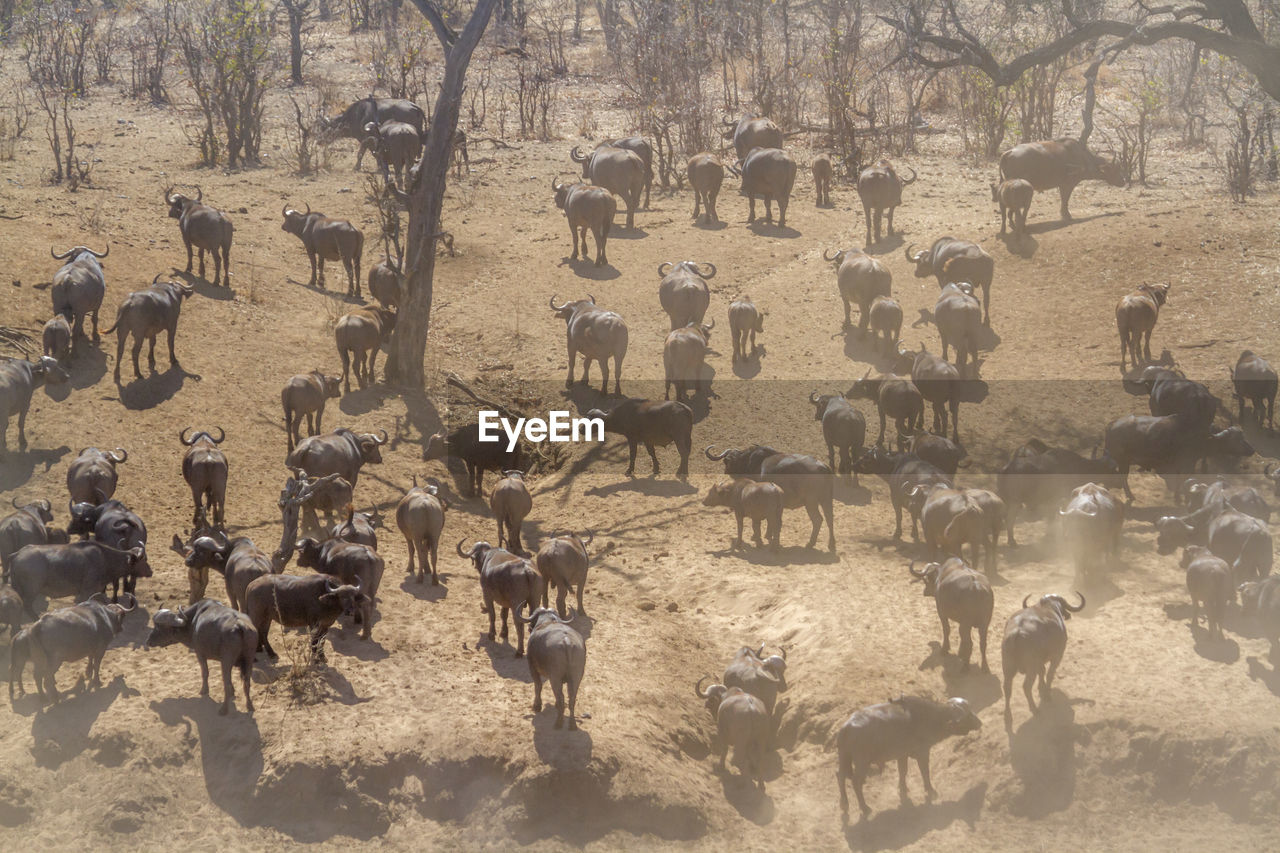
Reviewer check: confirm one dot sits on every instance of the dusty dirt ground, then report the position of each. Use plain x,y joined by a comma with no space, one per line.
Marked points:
1155,739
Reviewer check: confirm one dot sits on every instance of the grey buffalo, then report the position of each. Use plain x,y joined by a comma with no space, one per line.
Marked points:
28,524
313,602
80,632
901,729
204,228
595,334
963,596
238,560
683,292
880,191
562,561
952,261
92,476
353,120
204,467
768,174
804,481
340,452
145,314
558,654
743,724
1035,637
860,278
213,631
1059,164
706,174
18,381
618,170
506,581
587,208
420,517
114,524
751,132
78,287
326,239
77,570
305,394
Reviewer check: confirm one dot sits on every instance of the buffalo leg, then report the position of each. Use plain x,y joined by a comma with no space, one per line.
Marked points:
537,687
922,761
371,374
946,634
697,199
631,465
604,377
966,644
902,780
346,369
890,218
738,541
573,363
488,605
189,256
519,634
201,264
558,691
505,627
573,700
151,353
173,358
815,516
1146,346
312,428
653,455
573,230
204,675
412,546
752,217
137,351
982,645
878,217
1028,682
755,532
1064,193
866,213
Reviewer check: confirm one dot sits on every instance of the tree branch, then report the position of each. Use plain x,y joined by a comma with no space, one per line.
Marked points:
446,34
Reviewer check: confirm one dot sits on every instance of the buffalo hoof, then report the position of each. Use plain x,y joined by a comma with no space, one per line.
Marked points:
537,706
519,654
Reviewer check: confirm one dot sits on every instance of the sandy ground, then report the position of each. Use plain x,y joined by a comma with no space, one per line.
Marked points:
1156,738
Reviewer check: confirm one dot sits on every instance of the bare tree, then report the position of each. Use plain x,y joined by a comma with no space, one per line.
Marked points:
297,11
425,197
939,35
226,48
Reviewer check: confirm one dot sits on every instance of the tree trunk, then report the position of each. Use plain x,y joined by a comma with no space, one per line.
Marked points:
295,45
405,364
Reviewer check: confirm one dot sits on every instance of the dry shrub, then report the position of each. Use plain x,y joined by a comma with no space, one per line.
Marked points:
149,43
15,118
984,112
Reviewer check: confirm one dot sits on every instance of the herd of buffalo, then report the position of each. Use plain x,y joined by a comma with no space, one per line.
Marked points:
1223,531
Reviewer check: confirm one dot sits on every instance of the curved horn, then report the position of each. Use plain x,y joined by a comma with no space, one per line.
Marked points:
199,194
284,211
576,155
712,324
525,619
221,436
912,179
14,500
783,649
120,455
1025,600
329,585
697,688
554,306
664,268
221,534
1271,466
591,537
834,257
182,436
462,553
713,457
711,274
760,651
133,602
308,213
101,254
1078,607
385,438
567,620
555,185
61,257
813,397
168,194
912,569
591,299
907,252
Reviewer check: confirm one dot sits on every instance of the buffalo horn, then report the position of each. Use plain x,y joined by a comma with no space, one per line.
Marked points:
461,553
697,688
182,436
834,257
120,455
912,569
711,274
714,457
912,179
663,268
813,397
1025,600
1079,606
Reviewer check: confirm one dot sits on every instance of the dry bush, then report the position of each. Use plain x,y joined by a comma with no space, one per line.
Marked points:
1035,97
537,91
15,118
149,43
387,206
478,80
984,112
62,135
55,45
106,44
306,152
401,65
226,51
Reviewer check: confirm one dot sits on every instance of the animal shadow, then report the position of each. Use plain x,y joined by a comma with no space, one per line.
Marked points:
88,365
896,828
205,287
763,229
1258,671
749,368
151,391
60,731
886,244
502,654
1042,753
16,467
1023,248
425,590
561,748
587,268
703,225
